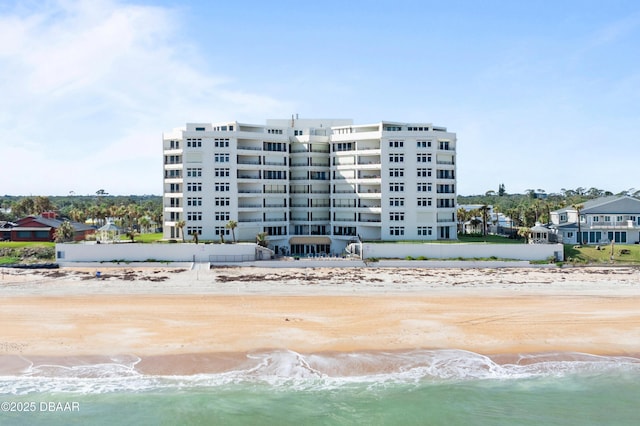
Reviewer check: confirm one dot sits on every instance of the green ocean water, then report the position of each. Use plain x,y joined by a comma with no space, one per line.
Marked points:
285,388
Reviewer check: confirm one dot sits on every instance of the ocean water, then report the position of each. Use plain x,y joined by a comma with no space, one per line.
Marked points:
442,387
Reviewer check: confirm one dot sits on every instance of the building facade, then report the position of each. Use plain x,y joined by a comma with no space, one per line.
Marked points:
313,186
599,221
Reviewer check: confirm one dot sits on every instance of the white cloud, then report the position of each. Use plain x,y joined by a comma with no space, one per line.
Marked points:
102,78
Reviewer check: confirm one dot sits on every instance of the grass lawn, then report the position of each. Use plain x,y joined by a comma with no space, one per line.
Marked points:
495,239
145,238
23,244
29,252
589,254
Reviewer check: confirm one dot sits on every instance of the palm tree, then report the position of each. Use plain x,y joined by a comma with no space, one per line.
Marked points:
462,218
64,233
578,208
484,209
232,224
180,225
145,222
77,215
261,239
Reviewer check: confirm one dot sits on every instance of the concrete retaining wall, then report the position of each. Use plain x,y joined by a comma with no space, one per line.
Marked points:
465,250
67,254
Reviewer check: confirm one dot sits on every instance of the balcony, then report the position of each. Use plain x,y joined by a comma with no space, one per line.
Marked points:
623,224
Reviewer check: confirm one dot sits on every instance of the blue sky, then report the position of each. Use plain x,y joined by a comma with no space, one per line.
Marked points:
542,94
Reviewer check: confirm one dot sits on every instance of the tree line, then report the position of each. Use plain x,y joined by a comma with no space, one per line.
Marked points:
533,206
139,213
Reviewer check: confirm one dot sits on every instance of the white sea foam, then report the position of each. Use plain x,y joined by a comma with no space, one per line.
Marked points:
289,369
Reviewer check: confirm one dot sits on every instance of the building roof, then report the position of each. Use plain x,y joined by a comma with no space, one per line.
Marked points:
607,205
30,221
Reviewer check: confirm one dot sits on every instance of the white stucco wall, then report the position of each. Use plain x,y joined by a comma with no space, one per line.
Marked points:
180,252
467,251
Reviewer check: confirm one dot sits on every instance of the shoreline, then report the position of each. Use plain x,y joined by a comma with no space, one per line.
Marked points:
190,320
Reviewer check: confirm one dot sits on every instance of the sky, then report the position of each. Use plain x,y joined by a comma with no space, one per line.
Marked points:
541,94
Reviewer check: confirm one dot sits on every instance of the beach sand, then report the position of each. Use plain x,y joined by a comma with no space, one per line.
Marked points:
187,321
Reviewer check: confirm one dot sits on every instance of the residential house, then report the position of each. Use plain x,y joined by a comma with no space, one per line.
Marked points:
602,220
43,228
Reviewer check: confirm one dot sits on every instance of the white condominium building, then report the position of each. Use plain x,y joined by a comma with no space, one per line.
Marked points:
312,186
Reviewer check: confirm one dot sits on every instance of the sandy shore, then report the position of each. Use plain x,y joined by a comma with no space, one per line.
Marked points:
190,313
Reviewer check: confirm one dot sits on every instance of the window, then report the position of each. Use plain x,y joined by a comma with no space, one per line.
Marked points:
396,216
396,187
194,215
446,202
194,186
445,174
173,174
423,144
194,201
617,236
424,172
393,128
424,187
221,187
274,146
194,172
424,158
221,172
445,189
424,202
222,215
425,230
199,129
222,201
345,146
443,145
221,143
221,158
396,144
194,229
396,230
396,202
396,158
396,172
194,143
276,174
220,230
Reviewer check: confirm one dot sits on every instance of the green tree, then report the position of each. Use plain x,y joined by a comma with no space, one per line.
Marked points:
484,210
145,222
501,190
261,239
578,208
462,215
180,226
64,233
232,224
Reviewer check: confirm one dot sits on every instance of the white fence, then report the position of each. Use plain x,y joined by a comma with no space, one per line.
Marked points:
465,251
67,254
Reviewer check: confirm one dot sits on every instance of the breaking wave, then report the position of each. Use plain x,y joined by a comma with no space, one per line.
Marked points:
292,370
